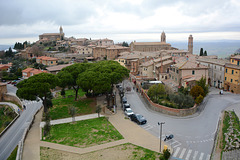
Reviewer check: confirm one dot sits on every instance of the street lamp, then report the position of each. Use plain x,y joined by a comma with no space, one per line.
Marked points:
160,132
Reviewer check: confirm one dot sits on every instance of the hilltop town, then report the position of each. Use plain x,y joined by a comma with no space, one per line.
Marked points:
83,95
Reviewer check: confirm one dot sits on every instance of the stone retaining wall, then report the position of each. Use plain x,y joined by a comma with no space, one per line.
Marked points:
11,98
167,110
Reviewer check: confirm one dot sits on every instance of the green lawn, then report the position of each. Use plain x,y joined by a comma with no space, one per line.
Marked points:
84,133
61,105
13,154
6,116
123,151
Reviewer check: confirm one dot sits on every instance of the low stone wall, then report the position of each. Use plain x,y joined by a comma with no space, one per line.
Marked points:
168,110
12,98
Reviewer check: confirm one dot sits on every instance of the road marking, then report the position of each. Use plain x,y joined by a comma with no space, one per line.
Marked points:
173,142
208,157
195,155
188,154
182,153
177,145
201,156
176,152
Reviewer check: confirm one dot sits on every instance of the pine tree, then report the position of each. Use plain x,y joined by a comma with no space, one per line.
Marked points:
201,52
205,53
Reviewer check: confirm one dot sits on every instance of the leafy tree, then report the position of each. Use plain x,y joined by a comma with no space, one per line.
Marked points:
199,99
100,77
202,83
156,91
205,53
9,53
188,101
63,92
71,75
37,86
201,52
125,44
196,91
183,90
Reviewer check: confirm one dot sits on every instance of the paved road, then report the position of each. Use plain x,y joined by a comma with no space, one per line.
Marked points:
13,135
193,135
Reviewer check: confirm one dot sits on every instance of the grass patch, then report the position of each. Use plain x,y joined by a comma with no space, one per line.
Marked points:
124,151
226,120
61,105
13,154
6,116
84,133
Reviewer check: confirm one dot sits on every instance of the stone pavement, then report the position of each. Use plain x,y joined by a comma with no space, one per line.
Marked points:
31,149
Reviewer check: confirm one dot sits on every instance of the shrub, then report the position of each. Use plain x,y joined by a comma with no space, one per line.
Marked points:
199,99
196,91
166,153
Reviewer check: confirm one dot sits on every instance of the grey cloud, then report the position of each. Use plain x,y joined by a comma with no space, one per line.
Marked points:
29,12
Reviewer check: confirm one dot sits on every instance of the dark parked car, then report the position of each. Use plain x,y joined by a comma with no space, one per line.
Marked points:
139,119
124,100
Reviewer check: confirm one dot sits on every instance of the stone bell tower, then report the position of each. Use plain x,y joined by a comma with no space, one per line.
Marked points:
190,44
61,33
163,37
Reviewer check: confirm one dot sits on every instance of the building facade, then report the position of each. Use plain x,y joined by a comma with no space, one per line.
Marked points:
232,75
46,37
215,71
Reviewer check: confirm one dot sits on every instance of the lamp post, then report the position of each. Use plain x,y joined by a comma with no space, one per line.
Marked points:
160,132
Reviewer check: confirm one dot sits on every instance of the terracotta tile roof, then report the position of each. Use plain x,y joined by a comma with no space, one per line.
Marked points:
164,63
117,47
150,43
214,61
148,63
27,70
190,65
57,68
162,58
236,57
47,58
37,71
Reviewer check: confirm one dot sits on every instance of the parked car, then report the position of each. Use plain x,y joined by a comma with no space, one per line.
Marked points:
139,119
125,106
128,112
124,100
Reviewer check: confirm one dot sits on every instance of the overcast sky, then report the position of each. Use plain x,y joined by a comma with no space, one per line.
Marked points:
120,20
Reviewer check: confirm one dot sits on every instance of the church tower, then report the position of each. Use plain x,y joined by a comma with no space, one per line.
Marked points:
190,44
61,33
163,37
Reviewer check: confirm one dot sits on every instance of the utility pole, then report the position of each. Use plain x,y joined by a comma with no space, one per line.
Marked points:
160,132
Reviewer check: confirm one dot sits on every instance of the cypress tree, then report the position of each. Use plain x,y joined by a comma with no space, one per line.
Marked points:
205,53
201,52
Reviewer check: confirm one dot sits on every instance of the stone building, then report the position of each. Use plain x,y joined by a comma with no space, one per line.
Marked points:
108,52
161,46
46,37
49,61
186,73
215,71
232,75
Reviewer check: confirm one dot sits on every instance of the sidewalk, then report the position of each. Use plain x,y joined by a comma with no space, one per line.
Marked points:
31,148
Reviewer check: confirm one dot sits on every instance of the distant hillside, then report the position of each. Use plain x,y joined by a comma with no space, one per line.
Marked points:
222,48
3,47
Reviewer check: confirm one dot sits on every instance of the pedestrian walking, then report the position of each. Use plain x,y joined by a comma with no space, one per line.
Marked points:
24,107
